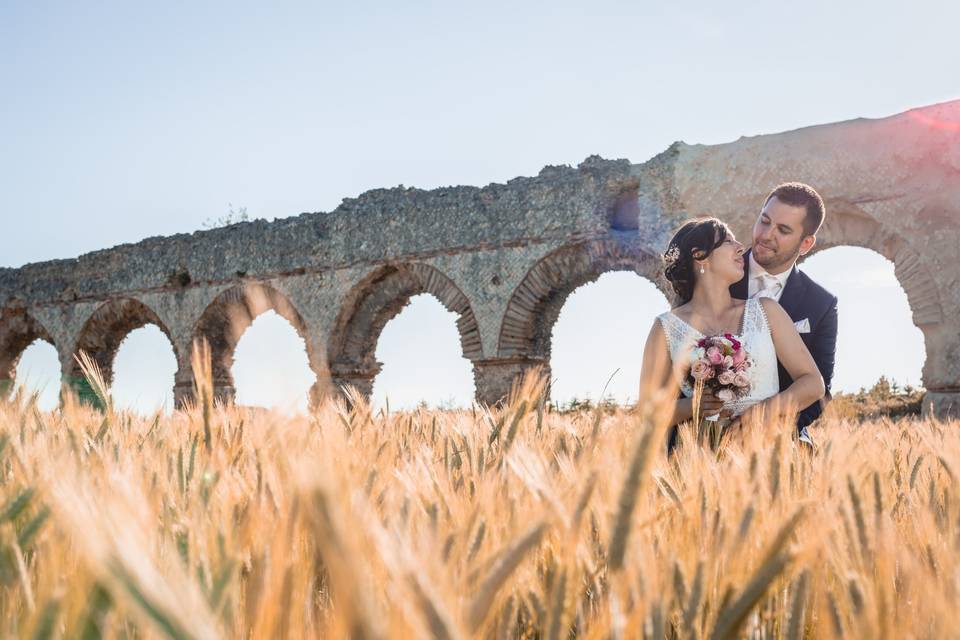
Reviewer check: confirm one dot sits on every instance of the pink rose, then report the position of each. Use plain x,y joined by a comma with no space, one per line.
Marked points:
743,366
727,362
741,379
701,370
739,356
725,394
726,377
714,356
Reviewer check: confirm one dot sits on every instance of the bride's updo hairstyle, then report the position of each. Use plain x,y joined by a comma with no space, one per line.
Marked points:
695,240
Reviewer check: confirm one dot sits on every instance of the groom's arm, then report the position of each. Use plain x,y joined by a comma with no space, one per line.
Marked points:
823,348
825,351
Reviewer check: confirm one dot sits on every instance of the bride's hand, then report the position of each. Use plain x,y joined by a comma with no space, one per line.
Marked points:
737,426
753,414
734,431
727,415
710,405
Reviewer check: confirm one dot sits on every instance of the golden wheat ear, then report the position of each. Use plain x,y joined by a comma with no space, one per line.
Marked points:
201,362
95,379
531,388
355,399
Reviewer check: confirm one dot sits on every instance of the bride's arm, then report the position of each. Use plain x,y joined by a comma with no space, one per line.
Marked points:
807,385
656,374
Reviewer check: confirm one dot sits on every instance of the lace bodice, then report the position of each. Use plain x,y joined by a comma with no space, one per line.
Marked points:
756,338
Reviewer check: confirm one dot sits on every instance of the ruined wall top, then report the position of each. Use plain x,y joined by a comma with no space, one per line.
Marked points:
902,172
381,224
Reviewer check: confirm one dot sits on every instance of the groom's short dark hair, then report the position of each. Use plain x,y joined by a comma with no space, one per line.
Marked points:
798,194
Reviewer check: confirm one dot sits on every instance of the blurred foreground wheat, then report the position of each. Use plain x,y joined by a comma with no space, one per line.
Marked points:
222,522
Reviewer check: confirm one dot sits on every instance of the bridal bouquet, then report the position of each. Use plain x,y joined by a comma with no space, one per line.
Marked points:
720,363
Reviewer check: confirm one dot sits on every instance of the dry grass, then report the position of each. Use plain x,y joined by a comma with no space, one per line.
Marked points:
883,399
217,522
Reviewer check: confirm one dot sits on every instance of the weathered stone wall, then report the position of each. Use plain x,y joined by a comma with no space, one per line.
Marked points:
505,257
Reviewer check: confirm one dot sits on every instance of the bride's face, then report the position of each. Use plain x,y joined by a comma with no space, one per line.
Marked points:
726,263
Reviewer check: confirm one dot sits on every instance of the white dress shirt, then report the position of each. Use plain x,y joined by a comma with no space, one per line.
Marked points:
764,284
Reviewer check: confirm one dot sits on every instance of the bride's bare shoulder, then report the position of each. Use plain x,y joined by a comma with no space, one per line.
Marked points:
776,314
657,335
683,311
771,306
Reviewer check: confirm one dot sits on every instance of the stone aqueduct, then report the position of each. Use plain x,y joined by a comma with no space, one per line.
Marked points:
505,257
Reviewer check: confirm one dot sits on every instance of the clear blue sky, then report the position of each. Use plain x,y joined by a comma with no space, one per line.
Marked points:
120,122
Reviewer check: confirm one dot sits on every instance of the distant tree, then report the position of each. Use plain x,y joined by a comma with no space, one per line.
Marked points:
233,216
448,404
606,404
885,398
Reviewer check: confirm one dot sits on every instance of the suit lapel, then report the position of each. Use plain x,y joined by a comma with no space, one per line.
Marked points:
741,290
793,293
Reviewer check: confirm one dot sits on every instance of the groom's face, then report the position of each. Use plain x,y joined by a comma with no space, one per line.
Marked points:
778,236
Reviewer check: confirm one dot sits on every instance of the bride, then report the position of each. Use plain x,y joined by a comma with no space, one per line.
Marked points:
702,260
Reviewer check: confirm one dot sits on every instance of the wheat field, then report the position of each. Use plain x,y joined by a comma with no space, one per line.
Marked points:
518,522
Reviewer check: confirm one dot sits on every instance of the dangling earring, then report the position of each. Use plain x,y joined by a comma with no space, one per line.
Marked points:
701,269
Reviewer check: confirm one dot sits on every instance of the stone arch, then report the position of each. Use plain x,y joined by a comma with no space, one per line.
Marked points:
105,329
849,225
18,330
377,299
229,315
534,306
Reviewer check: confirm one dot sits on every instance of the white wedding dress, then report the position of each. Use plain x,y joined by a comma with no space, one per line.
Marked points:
755,337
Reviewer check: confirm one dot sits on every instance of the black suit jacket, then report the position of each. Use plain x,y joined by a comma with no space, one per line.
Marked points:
802,298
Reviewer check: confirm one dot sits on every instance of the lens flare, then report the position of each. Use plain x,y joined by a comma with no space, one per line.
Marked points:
935,123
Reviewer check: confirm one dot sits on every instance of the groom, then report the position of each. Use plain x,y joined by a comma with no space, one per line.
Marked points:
785,230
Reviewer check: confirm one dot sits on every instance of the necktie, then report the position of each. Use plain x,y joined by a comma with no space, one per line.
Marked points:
768,287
